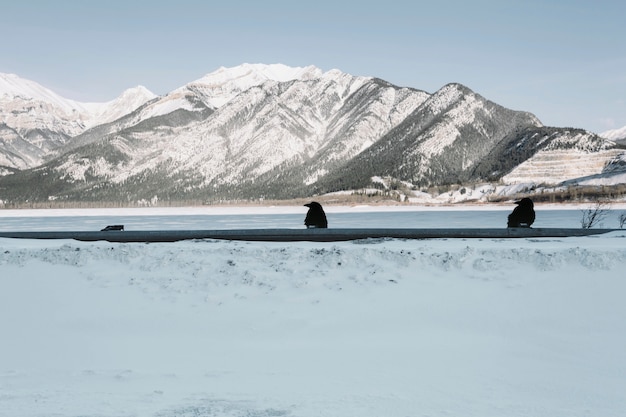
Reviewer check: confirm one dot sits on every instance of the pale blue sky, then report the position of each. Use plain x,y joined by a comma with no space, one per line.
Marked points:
564,61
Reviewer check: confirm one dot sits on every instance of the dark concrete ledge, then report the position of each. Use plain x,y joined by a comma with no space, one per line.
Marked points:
294,235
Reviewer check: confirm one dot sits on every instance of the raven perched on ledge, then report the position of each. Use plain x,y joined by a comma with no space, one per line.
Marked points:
523,215
315,217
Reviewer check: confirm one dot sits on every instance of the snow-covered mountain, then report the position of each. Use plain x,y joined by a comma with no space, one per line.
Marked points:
615,134
272,131
37,120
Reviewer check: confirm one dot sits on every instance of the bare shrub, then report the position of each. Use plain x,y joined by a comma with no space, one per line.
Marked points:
593,215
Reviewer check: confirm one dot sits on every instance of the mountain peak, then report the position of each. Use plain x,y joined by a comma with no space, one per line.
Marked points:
254,74
139,90
221,85
13,86
129,100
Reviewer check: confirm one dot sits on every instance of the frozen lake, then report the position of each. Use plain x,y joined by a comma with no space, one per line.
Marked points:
282,217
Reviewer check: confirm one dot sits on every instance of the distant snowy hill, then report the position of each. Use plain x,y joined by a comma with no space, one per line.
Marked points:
615,134
273,131
127,102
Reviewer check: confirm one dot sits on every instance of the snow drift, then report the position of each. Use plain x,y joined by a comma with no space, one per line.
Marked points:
487,327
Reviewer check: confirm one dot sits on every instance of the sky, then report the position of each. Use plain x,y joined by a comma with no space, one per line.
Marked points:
565,62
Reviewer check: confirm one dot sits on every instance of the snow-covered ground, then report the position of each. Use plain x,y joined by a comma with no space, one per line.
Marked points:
485,327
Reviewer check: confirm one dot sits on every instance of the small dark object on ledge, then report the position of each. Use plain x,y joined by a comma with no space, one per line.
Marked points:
315,217
523,215
113,227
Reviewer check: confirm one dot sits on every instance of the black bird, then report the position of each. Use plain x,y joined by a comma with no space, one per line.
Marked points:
523,215
315,217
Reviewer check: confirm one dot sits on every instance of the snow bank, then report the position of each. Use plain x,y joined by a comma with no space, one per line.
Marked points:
368,328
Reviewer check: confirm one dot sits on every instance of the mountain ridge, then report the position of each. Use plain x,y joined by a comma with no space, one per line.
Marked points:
271,131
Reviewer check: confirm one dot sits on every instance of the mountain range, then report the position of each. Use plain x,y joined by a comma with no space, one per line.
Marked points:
260,131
